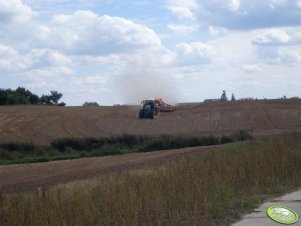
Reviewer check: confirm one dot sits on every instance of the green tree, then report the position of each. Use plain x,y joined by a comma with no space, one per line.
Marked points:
233,97
18,96
34,99
55,97
3,97
52,99
90,104
24,96
45,99
224,96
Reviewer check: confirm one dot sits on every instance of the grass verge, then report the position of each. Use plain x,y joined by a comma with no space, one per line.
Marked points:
205,189
71,148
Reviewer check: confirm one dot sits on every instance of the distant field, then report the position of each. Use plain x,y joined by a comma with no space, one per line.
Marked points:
43,124
209,188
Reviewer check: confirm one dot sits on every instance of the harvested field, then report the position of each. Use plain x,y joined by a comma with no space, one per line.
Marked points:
28,177
42,124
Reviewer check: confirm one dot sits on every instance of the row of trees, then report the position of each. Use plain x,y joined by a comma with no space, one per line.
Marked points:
24,96
90,104
225,98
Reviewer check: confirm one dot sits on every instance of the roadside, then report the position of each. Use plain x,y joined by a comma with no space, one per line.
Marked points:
259,217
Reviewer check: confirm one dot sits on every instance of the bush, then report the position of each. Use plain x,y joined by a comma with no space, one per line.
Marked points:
69,148
90,104
73,143
19,147
242,135
225,139
61,104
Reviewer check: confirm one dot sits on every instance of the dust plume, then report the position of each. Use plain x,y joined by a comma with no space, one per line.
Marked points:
143,79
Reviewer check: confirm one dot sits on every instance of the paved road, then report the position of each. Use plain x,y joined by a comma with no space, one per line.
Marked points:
259,217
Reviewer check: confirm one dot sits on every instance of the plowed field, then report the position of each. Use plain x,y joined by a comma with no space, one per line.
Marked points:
42,124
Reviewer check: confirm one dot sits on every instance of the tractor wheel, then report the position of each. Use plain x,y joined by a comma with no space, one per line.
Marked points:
154,114
151,115
141,113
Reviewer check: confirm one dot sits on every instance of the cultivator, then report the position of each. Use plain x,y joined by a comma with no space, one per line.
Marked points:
164,107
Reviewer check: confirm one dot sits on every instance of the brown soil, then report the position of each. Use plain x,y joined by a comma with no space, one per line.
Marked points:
30,177
42,124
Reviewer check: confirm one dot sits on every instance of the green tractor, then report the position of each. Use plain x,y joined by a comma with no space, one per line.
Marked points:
150,109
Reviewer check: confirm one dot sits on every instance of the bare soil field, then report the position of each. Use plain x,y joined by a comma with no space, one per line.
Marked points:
32,176
42,124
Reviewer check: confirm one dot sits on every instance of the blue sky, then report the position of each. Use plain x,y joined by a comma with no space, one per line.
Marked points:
118,52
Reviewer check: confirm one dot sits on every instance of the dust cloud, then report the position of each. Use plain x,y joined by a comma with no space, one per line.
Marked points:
144,79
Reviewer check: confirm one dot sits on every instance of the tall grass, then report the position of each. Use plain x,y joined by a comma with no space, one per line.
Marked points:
70,148
205,189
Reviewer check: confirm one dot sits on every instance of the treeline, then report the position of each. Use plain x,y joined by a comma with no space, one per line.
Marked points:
24,96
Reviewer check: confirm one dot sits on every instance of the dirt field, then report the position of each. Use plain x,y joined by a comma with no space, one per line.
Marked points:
41,124
29,177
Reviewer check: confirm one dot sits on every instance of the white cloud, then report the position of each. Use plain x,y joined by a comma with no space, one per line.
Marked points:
296,37
272,36
14,10
215,31
48,72
278,46
98,60
36,83
182,29
248,14
182,9
84,32
83,53
283,55
234,49
6,51
47,57
11,60
191,4
181,12
251,68
234,5
276,3
195,53
35,61
92,80
16,23
290,56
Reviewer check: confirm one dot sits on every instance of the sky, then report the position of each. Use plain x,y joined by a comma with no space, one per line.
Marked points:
121,52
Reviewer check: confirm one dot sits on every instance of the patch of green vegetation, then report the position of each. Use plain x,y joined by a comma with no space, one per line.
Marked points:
210,188
70,148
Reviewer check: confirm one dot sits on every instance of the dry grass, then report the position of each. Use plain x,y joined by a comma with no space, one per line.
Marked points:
205,189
